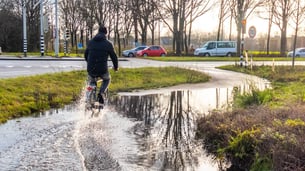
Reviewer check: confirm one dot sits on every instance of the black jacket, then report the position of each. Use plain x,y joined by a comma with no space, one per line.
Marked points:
96,55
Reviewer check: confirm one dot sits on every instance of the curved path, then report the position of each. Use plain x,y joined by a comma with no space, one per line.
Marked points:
69,139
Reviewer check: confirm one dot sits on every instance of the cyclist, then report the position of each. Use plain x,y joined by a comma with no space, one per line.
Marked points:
96,54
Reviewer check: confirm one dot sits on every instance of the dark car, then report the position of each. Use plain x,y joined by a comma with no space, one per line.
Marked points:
154,50
133,52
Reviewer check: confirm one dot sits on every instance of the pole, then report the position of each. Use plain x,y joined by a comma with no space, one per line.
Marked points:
243,31
41,29
56,30
25,49
242,50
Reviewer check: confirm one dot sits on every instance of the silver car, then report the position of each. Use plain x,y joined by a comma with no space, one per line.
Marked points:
299,52
133,52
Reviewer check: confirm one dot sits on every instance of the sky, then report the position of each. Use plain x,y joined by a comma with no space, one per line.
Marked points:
209,23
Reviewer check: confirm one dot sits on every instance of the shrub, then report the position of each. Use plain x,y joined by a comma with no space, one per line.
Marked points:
266,138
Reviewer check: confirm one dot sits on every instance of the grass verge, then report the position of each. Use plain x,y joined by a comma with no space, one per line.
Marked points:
217,58
27,95
261,134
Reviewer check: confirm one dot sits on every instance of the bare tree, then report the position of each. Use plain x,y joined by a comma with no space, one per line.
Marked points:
193,13
87,9
10,36
282,12
241,11
224,13
298,18
145,18
267,13
72,16
154,22
127,21
182,13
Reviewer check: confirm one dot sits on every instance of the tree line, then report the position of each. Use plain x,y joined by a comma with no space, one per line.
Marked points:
140,20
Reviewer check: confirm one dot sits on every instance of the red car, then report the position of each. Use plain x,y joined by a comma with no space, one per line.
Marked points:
152,51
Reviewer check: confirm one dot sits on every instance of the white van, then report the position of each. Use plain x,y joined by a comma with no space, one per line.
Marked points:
217,48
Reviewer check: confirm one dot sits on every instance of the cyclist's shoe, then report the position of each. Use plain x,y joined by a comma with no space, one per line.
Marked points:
100,98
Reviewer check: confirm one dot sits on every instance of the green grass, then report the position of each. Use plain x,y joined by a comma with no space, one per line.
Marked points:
237,59
287,82
150,77
27,95
265,129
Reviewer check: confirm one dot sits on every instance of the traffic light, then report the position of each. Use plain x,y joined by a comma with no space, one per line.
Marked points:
67,34
244,26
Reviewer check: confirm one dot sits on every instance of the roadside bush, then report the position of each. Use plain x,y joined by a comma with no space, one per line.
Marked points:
251,97
256,138
241,149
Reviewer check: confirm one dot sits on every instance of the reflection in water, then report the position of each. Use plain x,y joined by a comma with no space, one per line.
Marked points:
167,130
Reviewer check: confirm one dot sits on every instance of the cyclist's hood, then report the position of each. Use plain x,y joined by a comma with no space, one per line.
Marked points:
99,37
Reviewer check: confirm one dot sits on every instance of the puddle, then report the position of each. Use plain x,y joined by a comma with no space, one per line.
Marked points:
44,142
166,125
152,131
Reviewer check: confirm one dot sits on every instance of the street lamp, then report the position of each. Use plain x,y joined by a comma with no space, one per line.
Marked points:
56,43
25,43
25,49
41,29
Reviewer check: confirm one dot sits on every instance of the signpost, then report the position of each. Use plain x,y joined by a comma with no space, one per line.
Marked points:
243,30
252,32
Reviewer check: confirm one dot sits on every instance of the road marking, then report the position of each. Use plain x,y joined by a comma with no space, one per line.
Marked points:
28,66
45,66
10,66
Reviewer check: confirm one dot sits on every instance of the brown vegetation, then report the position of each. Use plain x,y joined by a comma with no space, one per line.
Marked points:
257,136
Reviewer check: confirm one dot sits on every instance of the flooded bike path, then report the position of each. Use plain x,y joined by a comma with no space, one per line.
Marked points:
148,130
141,137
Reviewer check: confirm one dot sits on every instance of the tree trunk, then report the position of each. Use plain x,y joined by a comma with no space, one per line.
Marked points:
283,38
230,34
136,39
268,36
238,49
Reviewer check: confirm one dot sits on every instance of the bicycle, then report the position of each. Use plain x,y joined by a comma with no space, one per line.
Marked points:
92,101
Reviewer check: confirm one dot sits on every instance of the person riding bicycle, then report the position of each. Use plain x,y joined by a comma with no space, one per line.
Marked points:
96,54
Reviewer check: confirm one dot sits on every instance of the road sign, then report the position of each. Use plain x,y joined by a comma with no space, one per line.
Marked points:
252,32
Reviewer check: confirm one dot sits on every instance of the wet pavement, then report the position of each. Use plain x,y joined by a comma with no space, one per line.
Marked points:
146,130
138,131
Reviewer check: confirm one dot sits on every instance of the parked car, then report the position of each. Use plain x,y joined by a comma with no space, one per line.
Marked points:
152,51
217,48
299,52
133,52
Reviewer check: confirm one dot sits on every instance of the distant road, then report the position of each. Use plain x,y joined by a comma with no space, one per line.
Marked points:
14,67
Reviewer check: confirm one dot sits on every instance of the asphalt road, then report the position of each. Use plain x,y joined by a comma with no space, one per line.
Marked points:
14,67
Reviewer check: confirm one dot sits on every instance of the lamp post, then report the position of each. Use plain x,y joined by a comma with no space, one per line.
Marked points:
25,43
41,29
56,43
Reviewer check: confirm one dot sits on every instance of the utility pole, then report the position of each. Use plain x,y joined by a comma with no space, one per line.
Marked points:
25,43
41,29
56,43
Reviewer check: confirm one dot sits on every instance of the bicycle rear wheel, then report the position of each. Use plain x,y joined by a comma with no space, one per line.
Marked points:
90,97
